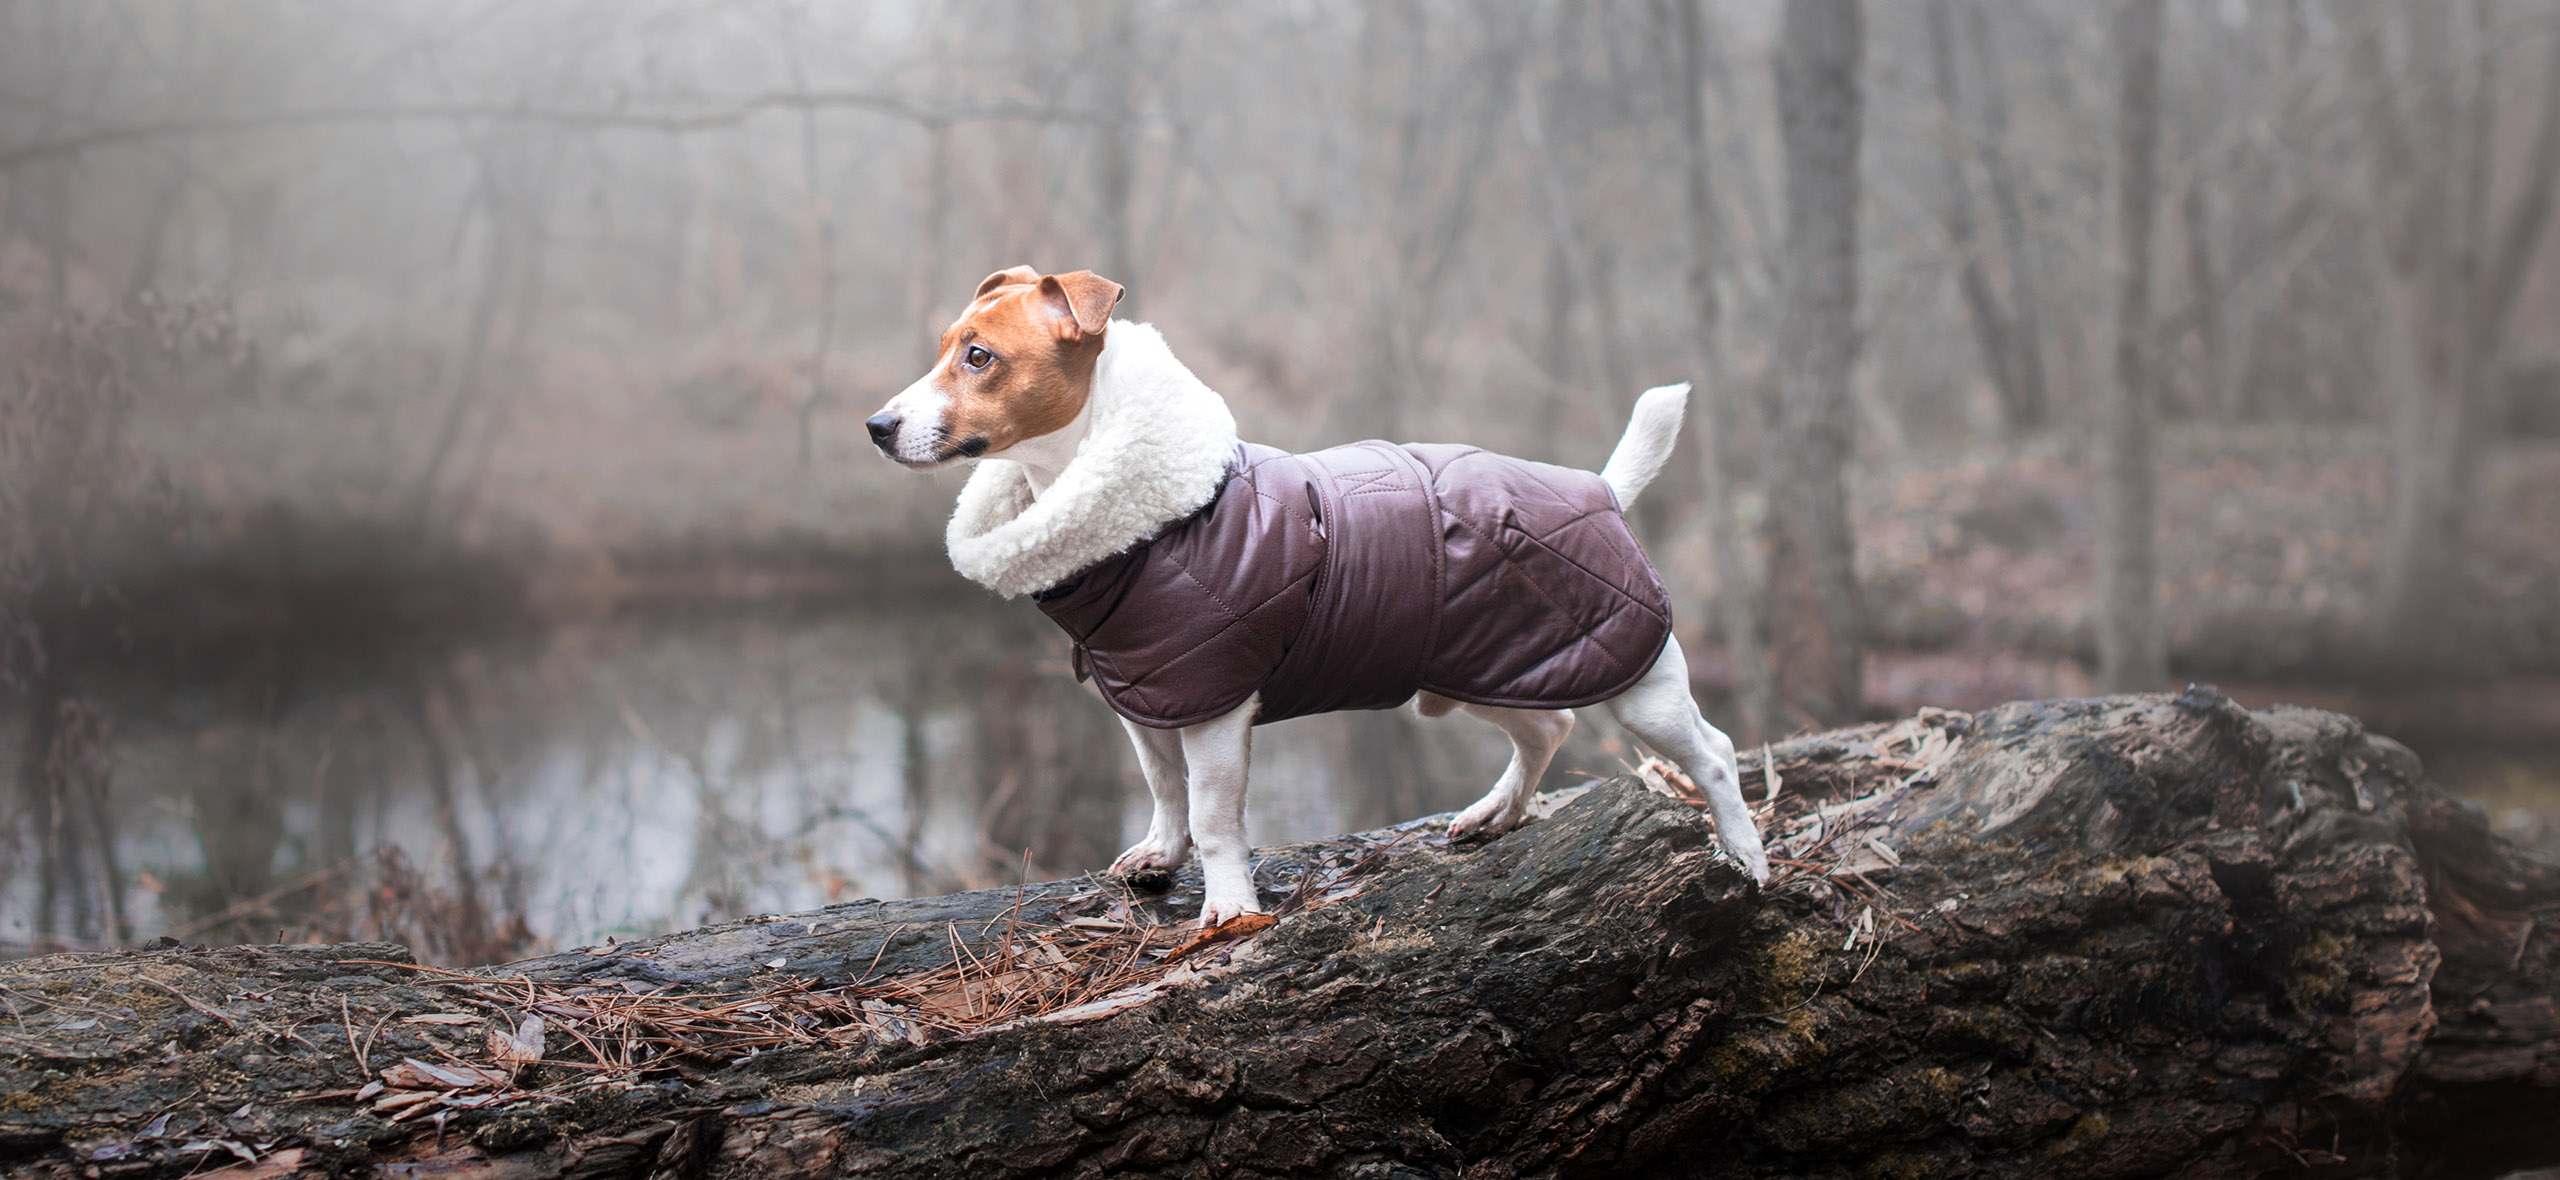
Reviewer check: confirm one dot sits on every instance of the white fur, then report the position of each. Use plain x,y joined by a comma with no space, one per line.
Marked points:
1661,714
1534,734
1216,753
1156,448
1168,841
1647,444
918,409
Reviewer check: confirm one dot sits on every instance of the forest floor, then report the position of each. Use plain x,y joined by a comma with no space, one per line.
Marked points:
2268,538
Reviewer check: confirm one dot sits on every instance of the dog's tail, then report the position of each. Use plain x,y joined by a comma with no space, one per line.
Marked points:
1647,445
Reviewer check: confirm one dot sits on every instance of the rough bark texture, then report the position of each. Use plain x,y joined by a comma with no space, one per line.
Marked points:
1816,615
2135,936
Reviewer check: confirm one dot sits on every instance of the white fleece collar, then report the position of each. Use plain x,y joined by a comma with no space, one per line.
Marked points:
1158,450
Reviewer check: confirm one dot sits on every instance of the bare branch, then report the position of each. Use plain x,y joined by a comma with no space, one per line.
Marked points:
666,122
2522,232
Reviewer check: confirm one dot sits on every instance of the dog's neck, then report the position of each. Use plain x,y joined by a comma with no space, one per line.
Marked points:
1045,458
1151,446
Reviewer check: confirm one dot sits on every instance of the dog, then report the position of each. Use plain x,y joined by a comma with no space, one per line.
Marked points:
1211,584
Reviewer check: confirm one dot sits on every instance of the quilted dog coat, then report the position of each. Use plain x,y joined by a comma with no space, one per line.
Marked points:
1352,577
1194,571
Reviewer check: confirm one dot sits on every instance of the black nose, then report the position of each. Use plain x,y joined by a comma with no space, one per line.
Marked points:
883,428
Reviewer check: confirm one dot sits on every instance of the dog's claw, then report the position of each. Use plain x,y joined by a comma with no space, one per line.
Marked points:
1149,855
1219,912
1470,827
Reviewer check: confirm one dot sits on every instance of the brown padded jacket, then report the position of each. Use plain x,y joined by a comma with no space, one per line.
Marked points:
1352,577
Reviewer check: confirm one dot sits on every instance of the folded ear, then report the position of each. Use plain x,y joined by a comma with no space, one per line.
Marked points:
1007,278
1082,298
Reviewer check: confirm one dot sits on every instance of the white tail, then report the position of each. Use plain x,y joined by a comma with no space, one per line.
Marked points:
1647,445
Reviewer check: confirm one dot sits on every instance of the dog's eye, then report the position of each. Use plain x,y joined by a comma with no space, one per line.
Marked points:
977,359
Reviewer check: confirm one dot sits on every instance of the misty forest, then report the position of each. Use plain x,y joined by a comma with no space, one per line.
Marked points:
435,507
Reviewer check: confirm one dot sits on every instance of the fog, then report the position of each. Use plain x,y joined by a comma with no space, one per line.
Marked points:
434,502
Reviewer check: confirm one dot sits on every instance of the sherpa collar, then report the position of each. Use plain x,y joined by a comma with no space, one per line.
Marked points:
1159,448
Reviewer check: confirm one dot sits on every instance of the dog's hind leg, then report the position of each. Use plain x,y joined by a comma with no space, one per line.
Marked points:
1217,754
1661,714
1535,734
1168,841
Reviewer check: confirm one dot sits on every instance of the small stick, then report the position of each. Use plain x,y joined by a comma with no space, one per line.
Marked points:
193,1002
369,1037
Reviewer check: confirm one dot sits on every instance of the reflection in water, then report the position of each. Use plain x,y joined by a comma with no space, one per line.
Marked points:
640,775
482,799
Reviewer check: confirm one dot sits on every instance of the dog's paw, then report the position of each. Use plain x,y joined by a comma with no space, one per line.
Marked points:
1754,861
1149,865
1152,857
1479,822
1220,909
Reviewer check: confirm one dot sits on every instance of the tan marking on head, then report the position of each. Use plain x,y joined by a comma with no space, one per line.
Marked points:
1041,336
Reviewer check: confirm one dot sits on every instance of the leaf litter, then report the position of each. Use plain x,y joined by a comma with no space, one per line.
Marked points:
1096,956
1826,806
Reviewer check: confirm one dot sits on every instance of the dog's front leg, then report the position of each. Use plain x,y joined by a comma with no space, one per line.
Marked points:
1168,840
1216,753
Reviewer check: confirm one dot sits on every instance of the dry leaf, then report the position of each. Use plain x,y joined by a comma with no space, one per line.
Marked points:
402,1099
1235,927
279,1164
519,1049
441,1018
413,1074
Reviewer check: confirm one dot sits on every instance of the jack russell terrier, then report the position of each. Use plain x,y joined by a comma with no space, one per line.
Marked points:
1211,585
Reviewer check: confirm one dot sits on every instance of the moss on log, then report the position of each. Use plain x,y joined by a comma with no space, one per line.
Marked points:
2135,936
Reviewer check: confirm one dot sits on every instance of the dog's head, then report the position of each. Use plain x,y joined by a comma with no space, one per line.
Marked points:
1016,365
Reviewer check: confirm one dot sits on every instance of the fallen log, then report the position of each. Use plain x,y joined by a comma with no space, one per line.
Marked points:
2134,936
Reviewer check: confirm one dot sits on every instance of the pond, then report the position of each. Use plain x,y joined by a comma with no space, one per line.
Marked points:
549,787
531,787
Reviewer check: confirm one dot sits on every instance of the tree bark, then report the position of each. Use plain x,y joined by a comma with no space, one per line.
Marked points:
1816,615
2132,936
2450,274
2026,333
1992,331
2213,385
2133,650
1713,401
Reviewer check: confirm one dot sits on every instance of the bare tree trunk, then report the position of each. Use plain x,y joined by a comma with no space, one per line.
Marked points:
1110,25
1991,328
2213,389
2132,648
1816,614
2451,275
1713,402
1583,263
470,384
2026,334
828,271
937,240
